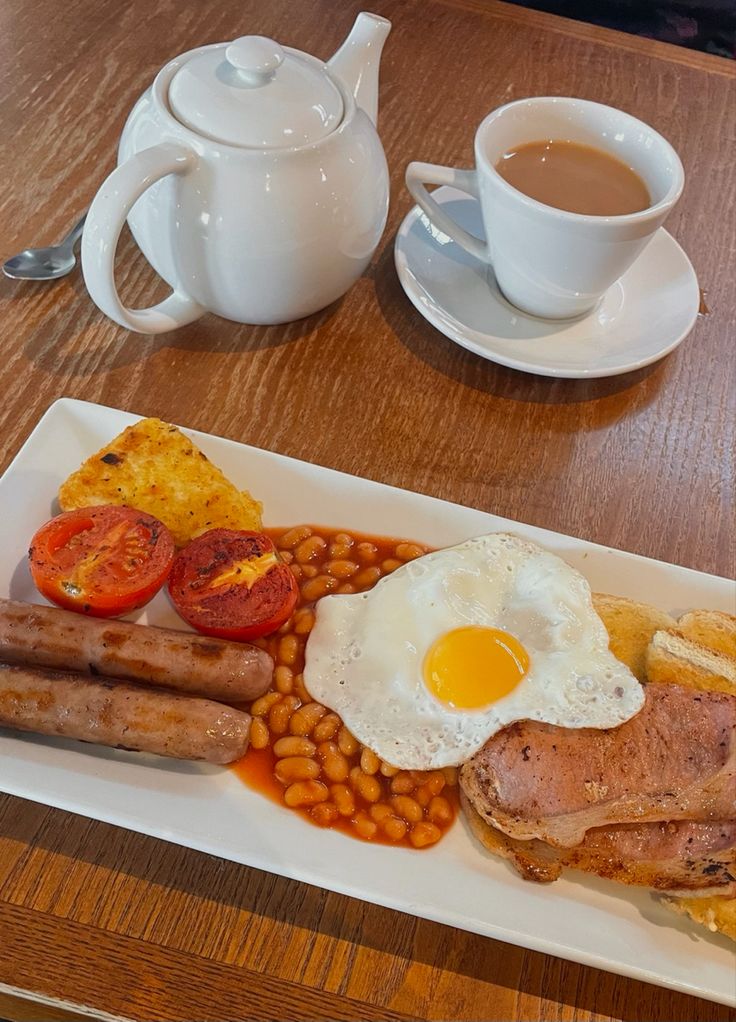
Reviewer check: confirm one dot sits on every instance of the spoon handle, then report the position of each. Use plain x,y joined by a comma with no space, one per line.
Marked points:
75,233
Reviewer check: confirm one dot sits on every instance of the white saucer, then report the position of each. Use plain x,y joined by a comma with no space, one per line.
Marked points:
642,318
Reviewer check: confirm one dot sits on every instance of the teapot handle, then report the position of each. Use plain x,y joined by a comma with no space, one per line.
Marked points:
105,220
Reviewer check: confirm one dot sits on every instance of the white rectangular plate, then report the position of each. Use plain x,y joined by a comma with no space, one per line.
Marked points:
584,919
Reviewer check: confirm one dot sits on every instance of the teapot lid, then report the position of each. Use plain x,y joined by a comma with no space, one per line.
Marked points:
254,93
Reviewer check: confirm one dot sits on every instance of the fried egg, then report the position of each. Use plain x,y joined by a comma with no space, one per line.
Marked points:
452,647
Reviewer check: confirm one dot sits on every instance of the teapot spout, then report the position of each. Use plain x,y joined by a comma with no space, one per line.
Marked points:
357,61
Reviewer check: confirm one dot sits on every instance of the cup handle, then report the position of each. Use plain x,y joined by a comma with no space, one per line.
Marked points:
105,220
466,181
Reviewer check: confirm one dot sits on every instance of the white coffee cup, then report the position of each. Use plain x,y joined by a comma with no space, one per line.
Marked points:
547,261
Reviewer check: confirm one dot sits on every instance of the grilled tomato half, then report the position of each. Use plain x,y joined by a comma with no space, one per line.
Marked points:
233,585
103,561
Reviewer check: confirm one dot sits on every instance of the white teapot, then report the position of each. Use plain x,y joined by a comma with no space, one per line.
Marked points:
253,180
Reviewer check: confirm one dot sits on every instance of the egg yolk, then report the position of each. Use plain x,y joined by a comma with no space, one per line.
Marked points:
470,667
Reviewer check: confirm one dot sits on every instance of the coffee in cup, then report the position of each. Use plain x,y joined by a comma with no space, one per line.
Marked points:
576,177
550,260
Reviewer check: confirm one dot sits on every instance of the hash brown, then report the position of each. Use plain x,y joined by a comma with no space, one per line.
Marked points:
154,467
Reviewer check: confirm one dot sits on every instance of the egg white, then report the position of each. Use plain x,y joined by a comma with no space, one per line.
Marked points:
365,653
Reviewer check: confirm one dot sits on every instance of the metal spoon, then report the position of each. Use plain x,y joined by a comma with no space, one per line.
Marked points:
46,263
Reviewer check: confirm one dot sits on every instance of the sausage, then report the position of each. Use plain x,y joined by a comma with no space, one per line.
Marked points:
124,716
233,672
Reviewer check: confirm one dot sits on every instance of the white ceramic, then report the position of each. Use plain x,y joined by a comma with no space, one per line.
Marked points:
640,319
207,808
253,180
549,262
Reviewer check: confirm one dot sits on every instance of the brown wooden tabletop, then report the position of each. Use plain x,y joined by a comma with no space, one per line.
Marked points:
97,921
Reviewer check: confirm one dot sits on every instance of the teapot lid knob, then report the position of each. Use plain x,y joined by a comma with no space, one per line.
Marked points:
256,57
253,93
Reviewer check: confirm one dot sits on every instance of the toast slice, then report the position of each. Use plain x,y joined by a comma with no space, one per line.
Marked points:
676,660
630,626
701,653
153,467
711,628
717,914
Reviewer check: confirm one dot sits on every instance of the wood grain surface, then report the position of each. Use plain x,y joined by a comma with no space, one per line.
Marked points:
110,923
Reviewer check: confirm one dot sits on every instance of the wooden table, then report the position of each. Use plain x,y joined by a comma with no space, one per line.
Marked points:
95,919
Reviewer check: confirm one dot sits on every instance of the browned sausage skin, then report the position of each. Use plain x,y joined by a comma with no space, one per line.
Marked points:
121,715
213,668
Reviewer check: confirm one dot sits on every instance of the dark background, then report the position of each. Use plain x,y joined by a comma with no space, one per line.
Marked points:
708,25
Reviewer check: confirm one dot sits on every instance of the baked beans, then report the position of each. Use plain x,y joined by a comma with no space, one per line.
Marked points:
294,745
300,752
326,728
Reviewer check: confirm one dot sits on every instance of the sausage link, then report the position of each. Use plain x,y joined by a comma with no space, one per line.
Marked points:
196,664
121,715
